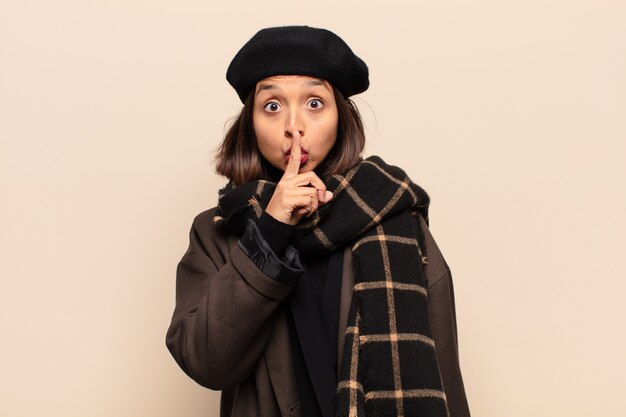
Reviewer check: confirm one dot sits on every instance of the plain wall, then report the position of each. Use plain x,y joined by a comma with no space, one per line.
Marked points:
510,114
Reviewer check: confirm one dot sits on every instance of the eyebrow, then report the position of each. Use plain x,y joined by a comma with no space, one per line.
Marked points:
308,83
314,82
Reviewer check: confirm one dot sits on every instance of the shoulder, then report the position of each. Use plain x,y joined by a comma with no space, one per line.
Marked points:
205,219
212,237
208,221
435,266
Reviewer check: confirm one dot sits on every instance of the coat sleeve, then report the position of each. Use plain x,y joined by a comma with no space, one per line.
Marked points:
442,317
227,298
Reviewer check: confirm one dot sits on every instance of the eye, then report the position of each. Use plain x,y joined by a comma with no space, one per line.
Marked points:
316,103
272,106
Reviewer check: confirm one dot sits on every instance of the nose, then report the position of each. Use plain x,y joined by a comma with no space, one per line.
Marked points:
294,122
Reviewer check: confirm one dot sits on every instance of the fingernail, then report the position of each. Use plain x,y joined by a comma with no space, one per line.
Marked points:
329,196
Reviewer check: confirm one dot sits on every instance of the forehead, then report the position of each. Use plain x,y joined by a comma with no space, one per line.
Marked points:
289,81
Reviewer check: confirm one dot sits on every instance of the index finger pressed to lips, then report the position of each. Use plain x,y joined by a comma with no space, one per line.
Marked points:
305,179
293,166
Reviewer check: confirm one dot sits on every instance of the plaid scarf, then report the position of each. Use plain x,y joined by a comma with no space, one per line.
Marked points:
389,364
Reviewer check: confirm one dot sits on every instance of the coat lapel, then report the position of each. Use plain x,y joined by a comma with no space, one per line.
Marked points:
282,377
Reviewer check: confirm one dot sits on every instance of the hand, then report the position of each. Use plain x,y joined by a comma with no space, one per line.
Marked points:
297,194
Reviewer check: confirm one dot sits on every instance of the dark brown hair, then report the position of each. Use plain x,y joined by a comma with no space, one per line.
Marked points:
238,157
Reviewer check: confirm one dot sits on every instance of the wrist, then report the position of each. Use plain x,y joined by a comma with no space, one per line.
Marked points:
275,232
283,218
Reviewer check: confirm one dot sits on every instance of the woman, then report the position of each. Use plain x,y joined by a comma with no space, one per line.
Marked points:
314,288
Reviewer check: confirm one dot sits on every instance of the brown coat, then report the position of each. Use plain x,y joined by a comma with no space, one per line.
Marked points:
229,330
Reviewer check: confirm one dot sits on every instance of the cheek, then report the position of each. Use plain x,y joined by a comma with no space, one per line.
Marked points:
330,132
261,129
266,136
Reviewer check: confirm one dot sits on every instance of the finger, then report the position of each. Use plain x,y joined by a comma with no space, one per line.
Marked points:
307,178
306,209
311,204
311,178
293,166
299,203
314,204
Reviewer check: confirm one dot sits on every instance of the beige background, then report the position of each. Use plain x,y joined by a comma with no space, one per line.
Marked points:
510,114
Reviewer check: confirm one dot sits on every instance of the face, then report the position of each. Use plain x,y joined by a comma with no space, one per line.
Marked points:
285,103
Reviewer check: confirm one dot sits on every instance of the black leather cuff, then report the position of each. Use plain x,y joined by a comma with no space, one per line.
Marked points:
254,245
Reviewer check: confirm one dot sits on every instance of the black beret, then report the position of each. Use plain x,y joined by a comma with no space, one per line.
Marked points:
297,50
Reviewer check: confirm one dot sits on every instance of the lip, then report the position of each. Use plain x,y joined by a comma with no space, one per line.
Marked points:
302,151
304,155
